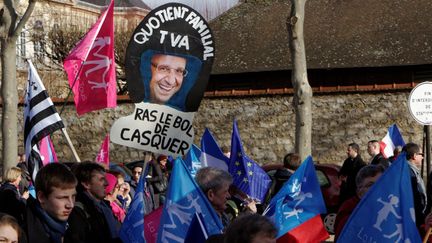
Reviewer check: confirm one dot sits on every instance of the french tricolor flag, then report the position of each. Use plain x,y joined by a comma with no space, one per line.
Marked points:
392,139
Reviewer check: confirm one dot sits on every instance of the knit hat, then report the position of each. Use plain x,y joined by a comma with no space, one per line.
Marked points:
112,181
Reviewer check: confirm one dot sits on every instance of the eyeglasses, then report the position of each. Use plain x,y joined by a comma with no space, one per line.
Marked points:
422,154
165,69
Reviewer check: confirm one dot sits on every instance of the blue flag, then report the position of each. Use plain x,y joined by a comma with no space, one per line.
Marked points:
247,175
299,200
132,229
184,199
386,211
211,154
197,232
191,160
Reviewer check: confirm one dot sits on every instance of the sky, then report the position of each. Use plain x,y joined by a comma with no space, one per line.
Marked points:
209,9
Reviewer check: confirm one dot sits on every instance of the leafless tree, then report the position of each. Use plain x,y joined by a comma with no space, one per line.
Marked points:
302,90
11,25
59,41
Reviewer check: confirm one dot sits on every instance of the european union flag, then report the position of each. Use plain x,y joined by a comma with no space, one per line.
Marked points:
132,229
184,199
191,160
386,211
298,201
212,155
247,175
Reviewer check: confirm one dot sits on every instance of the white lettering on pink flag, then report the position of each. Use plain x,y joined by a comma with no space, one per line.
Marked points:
91,68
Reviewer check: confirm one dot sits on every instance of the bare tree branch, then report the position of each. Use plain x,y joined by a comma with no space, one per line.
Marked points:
24,19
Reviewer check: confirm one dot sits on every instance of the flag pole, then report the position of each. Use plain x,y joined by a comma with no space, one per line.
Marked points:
425,239
70,144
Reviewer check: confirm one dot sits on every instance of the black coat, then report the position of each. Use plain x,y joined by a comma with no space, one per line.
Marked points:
34,226
350,169
87,224
11,202
280,177
380,160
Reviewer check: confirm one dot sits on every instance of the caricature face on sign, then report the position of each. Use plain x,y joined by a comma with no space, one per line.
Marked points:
168,78
168,63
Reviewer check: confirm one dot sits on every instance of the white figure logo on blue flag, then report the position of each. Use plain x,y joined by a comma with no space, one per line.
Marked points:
299,200
184,200
386,211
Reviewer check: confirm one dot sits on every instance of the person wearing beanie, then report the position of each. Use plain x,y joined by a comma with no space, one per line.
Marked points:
112,190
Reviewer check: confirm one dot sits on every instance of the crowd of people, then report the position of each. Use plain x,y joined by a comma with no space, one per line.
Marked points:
75,202
358,176
86,202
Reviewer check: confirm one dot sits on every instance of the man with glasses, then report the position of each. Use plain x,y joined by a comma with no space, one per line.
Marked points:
365,178
414,155
167,77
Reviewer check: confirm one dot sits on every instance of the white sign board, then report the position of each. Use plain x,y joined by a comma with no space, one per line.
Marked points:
155,128
420,103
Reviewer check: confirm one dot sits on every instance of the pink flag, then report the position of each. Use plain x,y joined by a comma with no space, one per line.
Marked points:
103,156
46,150
151,225
91,68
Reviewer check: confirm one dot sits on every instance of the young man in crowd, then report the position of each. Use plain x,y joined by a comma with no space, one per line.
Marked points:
47,215
92,219
373,150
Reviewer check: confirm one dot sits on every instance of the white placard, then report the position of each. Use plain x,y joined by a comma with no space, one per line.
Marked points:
155,128
420,103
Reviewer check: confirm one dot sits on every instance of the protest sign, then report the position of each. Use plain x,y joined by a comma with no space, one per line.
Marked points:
155,128
168,63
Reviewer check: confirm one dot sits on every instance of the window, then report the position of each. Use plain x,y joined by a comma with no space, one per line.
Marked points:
38,41
21,50
322,179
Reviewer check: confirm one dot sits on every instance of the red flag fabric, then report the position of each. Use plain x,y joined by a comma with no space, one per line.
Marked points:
151,225
46,150
310,231
91,68
103,155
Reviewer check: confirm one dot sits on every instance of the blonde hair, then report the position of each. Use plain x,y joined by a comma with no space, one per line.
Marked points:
12,174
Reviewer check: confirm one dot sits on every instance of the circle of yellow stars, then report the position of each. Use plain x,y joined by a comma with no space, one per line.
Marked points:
239,172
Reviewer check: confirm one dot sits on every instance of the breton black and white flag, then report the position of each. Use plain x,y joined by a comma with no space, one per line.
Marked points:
41,119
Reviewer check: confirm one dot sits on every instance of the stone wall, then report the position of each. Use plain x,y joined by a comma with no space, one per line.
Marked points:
266,125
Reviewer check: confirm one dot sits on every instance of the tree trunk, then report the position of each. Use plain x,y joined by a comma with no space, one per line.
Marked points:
10,105
302,99
10,28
